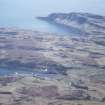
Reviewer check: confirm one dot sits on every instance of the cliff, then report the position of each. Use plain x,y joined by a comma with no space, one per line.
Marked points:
84,22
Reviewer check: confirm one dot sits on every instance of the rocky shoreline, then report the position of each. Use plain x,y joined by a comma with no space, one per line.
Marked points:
28,90
82,23
76,64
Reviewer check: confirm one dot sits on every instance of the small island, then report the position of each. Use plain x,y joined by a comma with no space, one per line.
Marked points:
83,23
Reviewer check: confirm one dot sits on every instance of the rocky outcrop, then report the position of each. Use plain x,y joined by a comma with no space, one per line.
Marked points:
45,91
76,95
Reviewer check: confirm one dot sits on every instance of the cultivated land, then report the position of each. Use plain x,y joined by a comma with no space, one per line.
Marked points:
60,70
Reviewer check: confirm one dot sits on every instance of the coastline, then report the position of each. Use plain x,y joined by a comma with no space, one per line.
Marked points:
71,30
74,66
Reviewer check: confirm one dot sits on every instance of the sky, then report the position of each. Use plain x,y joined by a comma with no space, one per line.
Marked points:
47,6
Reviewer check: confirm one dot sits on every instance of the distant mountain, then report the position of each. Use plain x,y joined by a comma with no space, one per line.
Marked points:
85,22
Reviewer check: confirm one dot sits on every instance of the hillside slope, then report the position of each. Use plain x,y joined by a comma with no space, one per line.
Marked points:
86,23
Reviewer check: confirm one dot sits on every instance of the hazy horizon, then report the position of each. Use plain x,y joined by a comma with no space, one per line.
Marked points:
22,13
48,6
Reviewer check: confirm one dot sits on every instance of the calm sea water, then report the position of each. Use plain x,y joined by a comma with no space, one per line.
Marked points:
22,13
